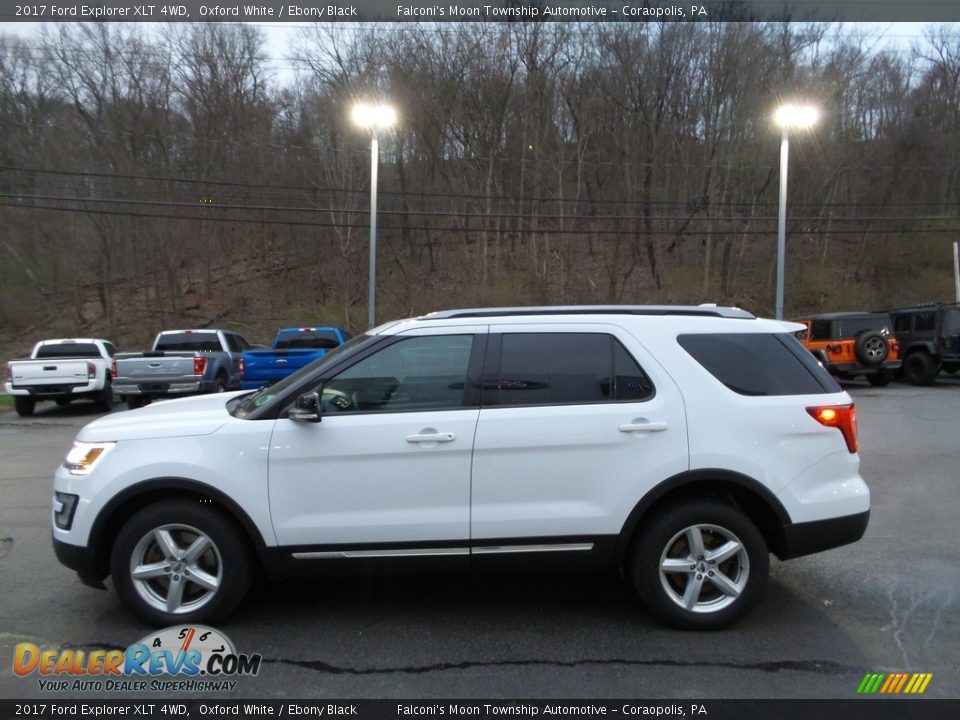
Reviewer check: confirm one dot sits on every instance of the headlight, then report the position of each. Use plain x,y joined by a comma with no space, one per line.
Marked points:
84,457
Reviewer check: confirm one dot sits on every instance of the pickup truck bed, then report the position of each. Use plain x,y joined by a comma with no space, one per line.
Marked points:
181,362
293,348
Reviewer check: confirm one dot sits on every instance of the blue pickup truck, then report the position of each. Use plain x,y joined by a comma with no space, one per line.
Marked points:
292,349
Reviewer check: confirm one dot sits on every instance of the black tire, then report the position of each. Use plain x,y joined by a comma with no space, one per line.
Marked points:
220,385
135,401
105,398
871,348
225,560
880,378
920,369
666,537
24,405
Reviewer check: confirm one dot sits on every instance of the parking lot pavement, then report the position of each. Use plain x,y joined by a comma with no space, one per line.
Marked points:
888,603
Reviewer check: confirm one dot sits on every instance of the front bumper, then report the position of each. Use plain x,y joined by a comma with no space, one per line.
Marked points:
81,559
806,538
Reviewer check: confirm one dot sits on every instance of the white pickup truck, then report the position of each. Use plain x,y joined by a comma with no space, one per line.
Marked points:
62,370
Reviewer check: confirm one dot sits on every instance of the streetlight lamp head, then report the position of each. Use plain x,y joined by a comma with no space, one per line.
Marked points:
375,117
796,116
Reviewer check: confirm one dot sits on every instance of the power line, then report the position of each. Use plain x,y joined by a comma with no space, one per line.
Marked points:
463,196
636,232
459,213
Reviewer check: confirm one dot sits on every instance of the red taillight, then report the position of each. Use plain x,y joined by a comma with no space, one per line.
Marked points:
9,373
91,370
199,365
113,368
842,417
241,366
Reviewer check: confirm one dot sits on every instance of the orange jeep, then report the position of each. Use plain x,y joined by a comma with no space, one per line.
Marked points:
849,344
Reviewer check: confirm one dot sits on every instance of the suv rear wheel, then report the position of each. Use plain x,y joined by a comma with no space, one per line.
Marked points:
880,378
24,405
700,565
180,562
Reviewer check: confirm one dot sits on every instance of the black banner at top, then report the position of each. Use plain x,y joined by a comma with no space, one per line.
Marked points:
291,11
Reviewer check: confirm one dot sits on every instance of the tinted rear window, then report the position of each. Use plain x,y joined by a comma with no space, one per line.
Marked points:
760,364
307,341
69,350
851,327
190,342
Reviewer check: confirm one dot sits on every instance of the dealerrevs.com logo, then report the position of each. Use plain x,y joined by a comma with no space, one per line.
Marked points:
177,659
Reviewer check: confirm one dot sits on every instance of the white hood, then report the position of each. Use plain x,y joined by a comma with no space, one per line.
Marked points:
199,415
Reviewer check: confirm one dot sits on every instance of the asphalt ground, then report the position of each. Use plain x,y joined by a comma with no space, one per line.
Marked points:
886,604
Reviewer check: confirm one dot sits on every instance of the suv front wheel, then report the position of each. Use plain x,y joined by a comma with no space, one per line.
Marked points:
700,565
180,562
920,368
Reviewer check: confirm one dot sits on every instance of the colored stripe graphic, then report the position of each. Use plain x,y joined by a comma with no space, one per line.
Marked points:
903,680
894,683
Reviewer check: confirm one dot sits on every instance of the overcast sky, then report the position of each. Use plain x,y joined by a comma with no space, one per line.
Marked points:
281,37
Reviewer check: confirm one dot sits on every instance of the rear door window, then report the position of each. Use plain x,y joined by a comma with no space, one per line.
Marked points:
925,322
951,322
759,363
565,369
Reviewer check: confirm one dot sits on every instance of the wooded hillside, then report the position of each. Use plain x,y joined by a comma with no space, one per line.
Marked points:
169,178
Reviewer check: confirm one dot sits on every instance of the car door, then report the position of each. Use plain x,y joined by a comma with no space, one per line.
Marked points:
387,469
577,424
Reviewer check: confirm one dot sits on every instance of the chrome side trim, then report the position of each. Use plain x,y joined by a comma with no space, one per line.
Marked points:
437,552
559,547
404,552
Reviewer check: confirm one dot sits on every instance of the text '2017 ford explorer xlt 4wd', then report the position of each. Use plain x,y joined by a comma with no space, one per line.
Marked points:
680,445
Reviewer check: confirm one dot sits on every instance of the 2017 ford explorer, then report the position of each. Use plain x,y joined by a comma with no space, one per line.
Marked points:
681,445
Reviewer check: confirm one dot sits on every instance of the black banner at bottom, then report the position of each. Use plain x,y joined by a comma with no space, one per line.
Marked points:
854,709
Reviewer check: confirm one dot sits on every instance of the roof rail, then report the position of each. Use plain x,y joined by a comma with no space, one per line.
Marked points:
690,310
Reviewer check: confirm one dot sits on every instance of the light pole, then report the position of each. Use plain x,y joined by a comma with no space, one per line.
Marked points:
374,118
787,117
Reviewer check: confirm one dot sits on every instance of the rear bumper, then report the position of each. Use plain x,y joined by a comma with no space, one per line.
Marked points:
158,388
811,537
82,560
52,391
857,369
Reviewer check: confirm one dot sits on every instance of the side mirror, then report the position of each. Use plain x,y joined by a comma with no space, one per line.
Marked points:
306,408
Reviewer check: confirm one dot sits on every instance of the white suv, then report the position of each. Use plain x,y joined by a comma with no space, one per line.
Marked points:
679,444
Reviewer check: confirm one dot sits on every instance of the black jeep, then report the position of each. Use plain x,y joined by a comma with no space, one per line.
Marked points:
929,338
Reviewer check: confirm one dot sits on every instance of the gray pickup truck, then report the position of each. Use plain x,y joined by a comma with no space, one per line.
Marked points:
182,362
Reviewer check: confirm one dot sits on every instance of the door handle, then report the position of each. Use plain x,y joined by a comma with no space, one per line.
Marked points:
636,426
437,437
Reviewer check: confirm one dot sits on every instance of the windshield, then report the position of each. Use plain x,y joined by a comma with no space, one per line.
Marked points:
241,407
